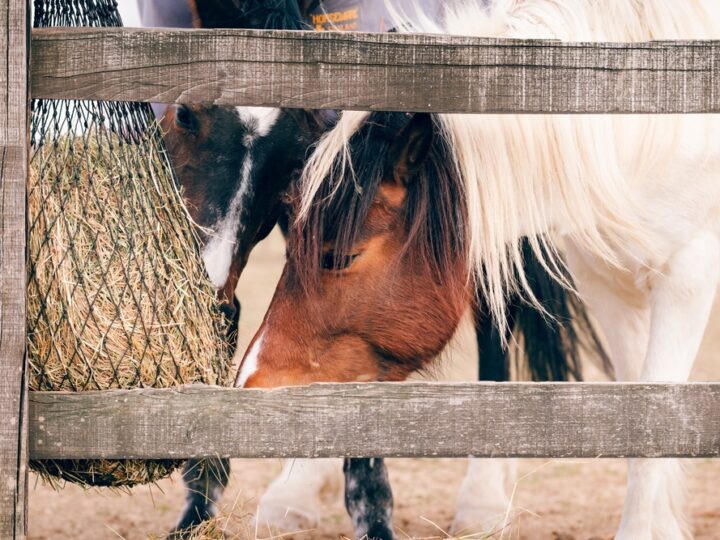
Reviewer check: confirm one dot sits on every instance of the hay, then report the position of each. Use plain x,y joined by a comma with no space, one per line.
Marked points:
117,292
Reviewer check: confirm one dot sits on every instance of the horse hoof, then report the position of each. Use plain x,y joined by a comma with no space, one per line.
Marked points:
188,527
379,532
283,519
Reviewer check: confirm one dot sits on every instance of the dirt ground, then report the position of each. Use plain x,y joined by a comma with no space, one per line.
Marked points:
554,499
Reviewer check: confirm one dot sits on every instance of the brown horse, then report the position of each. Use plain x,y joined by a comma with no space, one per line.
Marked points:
378,272
234,165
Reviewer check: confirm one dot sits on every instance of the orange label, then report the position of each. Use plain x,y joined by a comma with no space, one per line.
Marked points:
338,20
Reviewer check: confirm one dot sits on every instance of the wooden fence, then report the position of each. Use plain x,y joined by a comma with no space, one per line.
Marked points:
349,71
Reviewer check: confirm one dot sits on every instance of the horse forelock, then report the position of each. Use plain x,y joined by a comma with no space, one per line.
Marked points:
434,212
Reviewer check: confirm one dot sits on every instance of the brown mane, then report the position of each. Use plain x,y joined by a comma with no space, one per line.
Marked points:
435,212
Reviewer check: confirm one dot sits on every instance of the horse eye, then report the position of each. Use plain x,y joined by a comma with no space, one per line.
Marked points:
329,261
185,119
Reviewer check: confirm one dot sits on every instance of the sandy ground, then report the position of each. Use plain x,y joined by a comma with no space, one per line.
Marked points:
555,499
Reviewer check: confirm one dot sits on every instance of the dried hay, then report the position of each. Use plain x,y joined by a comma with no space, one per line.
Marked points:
117,292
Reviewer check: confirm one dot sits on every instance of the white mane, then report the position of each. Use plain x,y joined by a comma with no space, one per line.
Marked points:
576,175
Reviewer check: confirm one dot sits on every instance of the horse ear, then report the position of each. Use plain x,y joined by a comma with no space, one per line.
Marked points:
410,147
322,119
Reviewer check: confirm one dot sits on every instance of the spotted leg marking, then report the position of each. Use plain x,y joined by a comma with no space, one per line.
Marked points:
368,498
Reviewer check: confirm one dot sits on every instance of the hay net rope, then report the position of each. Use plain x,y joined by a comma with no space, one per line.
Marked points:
117,292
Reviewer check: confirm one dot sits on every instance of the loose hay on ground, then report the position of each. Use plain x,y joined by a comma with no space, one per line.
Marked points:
117,292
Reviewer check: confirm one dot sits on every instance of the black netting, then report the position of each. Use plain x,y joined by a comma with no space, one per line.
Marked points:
117,292
50,13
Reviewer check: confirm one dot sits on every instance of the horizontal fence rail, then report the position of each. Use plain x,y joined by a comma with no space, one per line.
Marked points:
381,419
375,71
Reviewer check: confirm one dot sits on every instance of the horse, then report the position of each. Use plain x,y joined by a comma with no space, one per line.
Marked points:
399,215
193,137
233,166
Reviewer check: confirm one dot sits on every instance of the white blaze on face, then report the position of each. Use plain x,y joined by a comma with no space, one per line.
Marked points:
250,363
219,251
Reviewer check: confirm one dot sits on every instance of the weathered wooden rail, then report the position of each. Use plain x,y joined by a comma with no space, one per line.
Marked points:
375,71
381,419
348,71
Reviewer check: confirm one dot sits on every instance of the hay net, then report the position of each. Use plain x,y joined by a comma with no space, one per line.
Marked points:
118,296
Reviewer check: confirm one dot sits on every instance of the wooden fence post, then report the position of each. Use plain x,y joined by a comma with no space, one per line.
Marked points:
14,48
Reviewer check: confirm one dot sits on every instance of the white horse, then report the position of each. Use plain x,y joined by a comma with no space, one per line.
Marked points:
636,200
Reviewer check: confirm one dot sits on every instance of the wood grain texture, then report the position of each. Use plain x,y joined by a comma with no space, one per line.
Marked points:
381,419
14,41
375,71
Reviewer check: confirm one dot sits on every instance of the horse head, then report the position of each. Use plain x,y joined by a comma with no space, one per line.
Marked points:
233,165
375,283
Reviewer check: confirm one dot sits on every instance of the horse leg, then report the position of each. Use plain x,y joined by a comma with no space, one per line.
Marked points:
654,335
231,312
484,498
293,502
205,480
368,498
624,316
681,298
